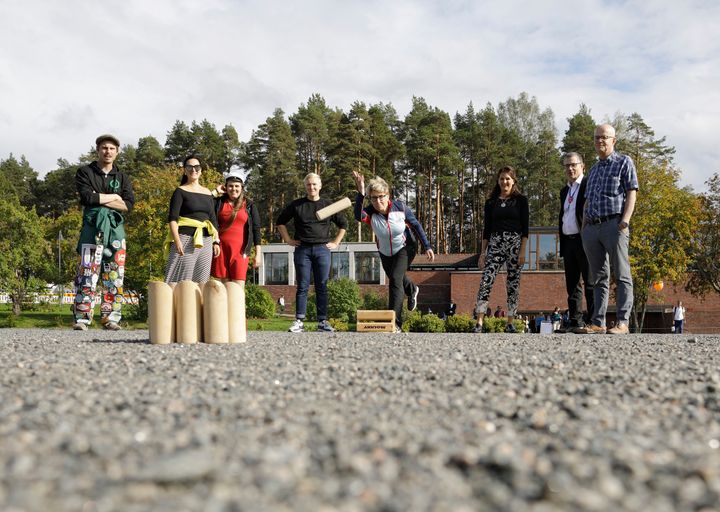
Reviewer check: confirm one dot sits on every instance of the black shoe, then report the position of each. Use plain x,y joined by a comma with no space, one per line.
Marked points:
478,329
510,328
412,299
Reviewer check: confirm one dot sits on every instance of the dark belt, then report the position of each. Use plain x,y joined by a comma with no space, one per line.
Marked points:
572,237
600,220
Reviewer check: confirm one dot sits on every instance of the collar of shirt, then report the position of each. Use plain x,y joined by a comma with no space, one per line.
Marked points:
612,157
577,181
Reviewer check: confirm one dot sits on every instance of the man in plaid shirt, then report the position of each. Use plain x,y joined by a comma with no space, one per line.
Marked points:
609,203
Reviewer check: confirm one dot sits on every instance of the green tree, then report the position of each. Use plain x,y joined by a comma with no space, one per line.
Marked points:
56,193
24,253
179,143
149,152
313,129
21,178
579,135
705,275
273,179
665,217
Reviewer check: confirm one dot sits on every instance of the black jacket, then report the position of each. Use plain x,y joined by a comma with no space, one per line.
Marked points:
252,236
91,182
579,206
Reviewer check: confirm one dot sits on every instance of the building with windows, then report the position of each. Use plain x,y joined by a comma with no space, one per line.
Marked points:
456,276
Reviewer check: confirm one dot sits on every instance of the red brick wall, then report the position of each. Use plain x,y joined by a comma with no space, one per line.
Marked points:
539,291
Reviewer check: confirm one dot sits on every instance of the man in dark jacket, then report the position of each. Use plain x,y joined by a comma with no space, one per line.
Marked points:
105,194
572,201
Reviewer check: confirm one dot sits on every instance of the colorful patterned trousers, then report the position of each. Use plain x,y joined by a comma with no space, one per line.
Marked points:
100,263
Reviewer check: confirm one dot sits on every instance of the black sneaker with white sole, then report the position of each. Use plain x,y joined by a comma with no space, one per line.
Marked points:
412,299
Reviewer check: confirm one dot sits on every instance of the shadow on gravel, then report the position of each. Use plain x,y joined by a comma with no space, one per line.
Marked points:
142,341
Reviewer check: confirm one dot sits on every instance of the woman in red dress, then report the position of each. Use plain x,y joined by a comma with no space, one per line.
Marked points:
239,222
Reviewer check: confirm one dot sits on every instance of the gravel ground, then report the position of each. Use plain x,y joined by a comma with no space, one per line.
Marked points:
102,421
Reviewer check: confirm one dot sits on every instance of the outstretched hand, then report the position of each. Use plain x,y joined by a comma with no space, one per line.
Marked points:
359,182
430,255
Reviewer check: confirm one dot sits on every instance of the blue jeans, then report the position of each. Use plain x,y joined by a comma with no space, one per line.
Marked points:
313,258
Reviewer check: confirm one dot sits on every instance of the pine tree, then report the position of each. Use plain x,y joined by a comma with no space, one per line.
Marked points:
579,136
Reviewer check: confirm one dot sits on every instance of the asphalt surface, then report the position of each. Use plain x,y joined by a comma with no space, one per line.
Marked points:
103,421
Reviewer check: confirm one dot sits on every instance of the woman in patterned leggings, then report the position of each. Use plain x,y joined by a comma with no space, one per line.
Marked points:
505,235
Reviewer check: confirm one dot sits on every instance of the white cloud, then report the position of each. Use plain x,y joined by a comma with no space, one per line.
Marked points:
71,70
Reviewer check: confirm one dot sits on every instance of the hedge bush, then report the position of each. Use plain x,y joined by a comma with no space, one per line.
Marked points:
374,301
459,323
417,322
343,299
258,302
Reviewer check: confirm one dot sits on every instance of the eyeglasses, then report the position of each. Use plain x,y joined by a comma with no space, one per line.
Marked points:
604,137
378,198
572,164
196,168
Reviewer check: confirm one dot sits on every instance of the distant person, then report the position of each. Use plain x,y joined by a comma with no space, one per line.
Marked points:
106,194
281,303
497,312
538,321
193,239
239,228
505,234
679,317
609,204
556,319
312,243
391,221
575,263
451,309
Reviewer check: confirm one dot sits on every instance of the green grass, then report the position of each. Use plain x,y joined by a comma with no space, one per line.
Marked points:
52,316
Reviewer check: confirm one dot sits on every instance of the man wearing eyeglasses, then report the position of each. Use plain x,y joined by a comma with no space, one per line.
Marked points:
572,201
609,204
105,194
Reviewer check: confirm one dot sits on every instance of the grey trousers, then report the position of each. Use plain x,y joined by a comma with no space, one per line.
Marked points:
606,248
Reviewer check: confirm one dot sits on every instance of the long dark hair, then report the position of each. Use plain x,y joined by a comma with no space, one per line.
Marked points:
515,189
184,178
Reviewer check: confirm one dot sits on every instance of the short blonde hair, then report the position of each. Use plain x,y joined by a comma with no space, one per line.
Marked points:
377,184
311,175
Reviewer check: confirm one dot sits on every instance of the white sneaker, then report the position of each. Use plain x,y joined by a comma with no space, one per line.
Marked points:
297,326
325,326
80,327
112,326
412,299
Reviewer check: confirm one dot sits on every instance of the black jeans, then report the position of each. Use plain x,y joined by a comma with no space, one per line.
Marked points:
395,267
576,266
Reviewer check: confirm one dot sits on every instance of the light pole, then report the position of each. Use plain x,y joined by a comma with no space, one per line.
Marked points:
62,287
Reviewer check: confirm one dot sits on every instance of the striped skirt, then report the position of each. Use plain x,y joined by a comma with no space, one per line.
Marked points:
194,265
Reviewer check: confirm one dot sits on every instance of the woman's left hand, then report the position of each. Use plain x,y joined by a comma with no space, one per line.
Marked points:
430,255
216,250
521,260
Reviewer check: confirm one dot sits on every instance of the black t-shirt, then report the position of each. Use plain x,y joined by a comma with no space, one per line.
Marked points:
513,217
193,205
308,229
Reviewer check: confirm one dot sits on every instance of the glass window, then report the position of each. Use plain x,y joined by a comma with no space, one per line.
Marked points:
276,267
367,268
547,252
339,265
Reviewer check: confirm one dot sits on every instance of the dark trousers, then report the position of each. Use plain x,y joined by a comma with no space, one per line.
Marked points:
576,266
313,258
395,267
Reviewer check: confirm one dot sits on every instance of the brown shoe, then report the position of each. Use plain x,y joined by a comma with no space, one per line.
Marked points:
590,329
619,329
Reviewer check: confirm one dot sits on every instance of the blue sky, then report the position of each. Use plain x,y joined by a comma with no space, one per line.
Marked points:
71,70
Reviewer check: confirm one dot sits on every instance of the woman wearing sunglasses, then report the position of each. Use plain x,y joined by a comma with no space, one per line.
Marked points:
193,239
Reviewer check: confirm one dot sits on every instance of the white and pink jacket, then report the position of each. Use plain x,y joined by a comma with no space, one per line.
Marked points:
391,230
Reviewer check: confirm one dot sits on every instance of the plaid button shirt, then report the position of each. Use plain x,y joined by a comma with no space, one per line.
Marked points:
608,182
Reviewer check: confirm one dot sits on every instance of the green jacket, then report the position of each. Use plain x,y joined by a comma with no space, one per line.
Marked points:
101,218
